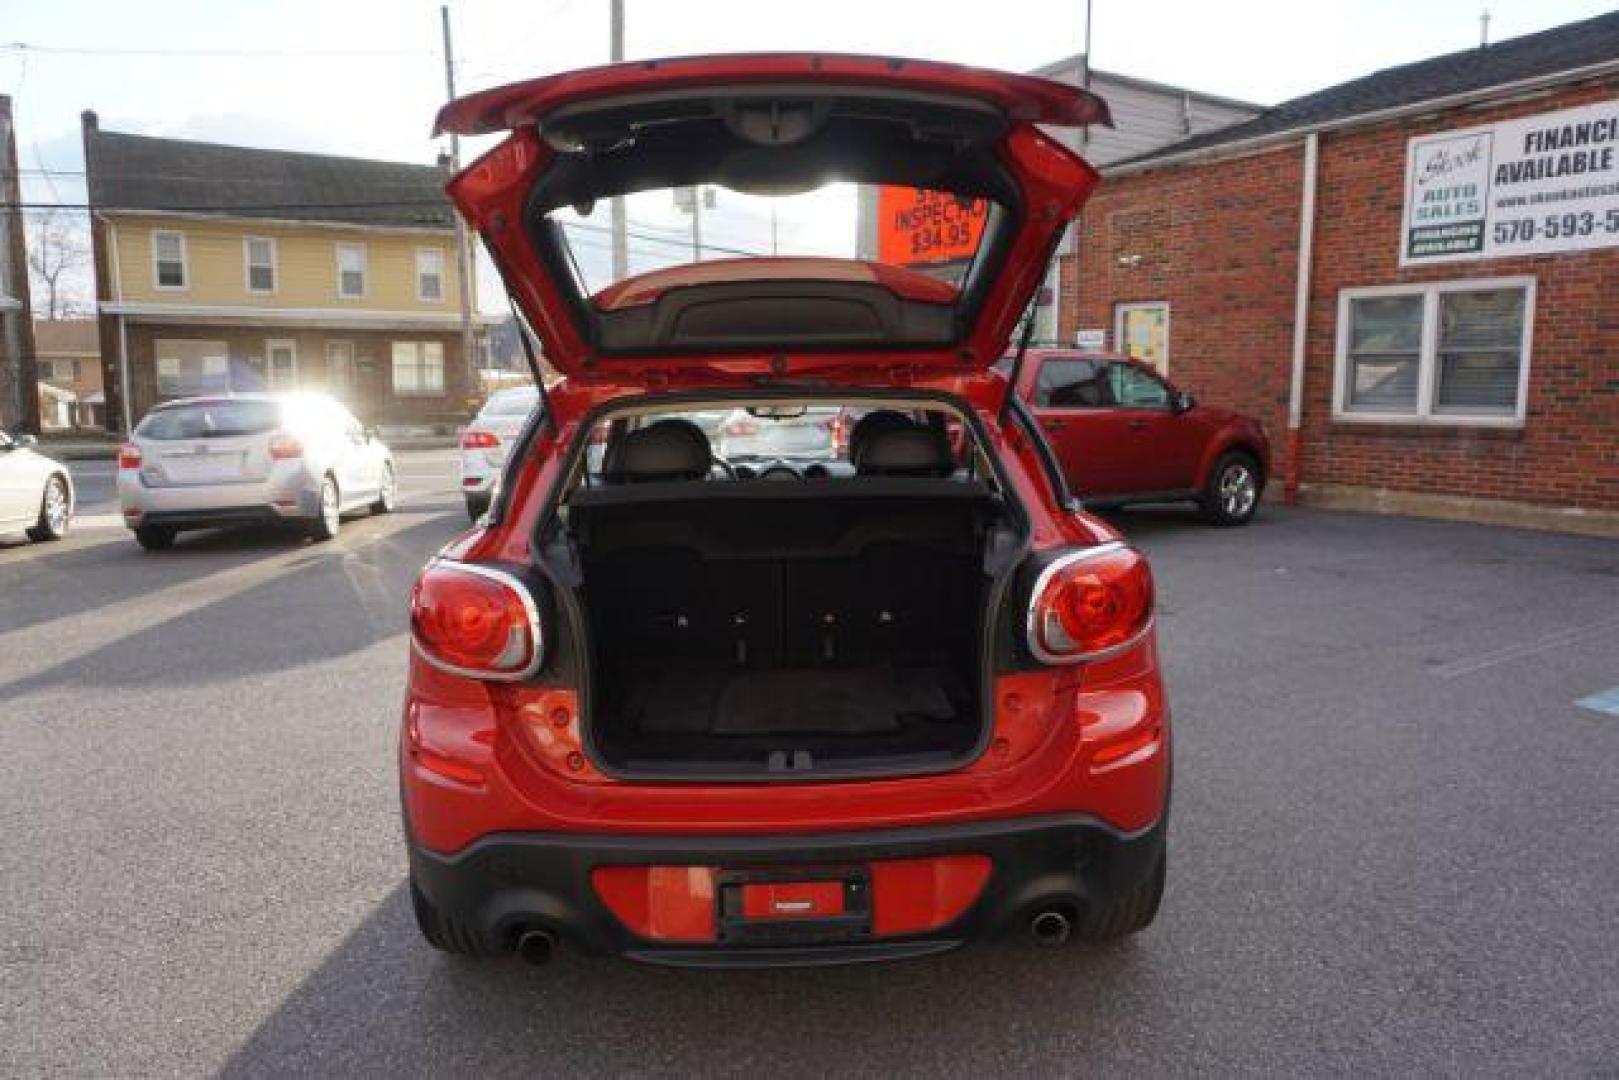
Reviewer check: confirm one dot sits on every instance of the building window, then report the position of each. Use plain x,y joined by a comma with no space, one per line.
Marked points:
351,271
169,260
186,368
418,368
60,370
259,253
430,275
1142,331
1454,352
281,364
340,368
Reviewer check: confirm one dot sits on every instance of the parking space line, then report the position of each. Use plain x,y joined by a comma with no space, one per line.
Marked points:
1468,665
1605,702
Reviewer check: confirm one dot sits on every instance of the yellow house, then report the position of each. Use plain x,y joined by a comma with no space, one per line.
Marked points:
223,268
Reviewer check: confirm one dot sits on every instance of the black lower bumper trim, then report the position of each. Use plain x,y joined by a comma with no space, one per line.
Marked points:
507,883
213,519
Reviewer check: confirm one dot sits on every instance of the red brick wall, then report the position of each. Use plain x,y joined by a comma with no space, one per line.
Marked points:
1218,242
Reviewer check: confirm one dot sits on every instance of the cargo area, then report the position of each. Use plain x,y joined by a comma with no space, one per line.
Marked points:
760,628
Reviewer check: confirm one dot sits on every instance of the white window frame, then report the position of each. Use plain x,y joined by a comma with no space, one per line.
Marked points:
185,261
270,346
1119,343
247,265
443,276
365,270
1428,354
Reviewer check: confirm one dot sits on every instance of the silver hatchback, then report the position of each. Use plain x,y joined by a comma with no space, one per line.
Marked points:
250,459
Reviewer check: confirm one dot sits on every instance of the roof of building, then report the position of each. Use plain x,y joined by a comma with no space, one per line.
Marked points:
1550,52
66,337
1057,67
141,172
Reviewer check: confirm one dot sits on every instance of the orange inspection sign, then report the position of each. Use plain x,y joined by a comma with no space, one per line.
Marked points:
920,228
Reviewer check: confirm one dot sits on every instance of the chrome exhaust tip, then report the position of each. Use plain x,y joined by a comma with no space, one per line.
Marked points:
1051,927
536,947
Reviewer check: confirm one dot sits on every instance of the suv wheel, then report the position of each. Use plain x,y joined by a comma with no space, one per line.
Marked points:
55,510
330,518
1128,914
1232,495
445,935
154,537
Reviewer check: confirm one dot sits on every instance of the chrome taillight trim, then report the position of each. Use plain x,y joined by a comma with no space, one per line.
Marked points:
1032,637
530,609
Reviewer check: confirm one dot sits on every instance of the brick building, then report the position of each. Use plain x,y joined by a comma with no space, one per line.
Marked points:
1414,276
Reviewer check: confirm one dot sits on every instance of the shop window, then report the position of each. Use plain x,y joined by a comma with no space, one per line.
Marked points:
1444,352
187,368
1142,331
418,368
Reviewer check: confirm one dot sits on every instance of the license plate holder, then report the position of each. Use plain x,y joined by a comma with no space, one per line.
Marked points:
793,905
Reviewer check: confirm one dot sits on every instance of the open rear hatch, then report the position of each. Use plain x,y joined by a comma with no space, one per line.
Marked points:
984,184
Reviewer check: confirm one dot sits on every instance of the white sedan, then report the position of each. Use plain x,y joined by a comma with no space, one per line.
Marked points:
36,493
487,441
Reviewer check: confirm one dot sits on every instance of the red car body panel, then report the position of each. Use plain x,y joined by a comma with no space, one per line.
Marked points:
499,781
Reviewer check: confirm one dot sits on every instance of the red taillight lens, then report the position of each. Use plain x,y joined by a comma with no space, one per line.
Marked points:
471,620
1090,603
479,440
129,456
285,446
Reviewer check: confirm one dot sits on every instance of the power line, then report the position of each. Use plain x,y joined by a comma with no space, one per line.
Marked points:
24,47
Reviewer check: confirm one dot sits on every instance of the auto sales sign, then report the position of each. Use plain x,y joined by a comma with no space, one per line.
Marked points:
1534,186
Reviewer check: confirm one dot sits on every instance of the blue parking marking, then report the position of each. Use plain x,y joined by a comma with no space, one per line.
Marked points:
1607,701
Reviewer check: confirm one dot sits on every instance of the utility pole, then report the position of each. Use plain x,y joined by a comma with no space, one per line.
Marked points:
1085,71
1484,29
463,251
621,247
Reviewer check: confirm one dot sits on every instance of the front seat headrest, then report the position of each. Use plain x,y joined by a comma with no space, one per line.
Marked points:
671,449
907,451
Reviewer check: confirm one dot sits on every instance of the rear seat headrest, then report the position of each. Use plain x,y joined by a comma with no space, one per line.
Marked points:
912,450
869,425
671,449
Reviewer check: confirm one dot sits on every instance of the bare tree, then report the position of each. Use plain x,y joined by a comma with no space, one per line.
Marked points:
58,253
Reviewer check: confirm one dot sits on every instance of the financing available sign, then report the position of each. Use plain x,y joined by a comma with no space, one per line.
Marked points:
1535,186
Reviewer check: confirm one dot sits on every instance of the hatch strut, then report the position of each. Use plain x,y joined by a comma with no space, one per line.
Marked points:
1017,361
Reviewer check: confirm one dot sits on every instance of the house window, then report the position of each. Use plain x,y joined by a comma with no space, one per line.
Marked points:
186,368
281,364
418,368
1446,352
259,252
430,275
340,368
1142,331
169,260
60,370
351,271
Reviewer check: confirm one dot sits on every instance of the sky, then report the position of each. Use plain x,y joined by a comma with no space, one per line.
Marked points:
364,77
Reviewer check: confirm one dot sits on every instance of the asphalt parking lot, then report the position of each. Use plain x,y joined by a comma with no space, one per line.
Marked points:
1392,847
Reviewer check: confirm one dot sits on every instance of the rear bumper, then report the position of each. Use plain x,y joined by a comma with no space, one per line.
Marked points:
508,883
280,498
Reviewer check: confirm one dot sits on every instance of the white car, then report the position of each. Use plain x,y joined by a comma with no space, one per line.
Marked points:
250,459
487,441
36,493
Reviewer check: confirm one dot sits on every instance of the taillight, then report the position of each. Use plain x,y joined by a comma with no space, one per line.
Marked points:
741,429
284,446
474,621
479,440
1089,604
129,456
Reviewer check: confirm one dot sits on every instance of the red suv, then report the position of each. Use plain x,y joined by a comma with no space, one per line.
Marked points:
789,699
1124,434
